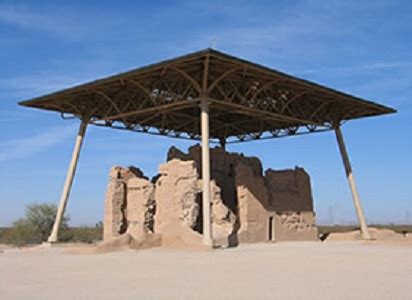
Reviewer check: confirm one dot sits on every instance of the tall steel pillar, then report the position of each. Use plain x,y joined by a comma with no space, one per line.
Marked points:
207,222
352,185
68,183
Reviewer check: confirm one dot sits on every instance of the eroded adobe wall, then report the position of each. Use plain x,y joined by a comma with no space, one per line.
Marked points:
253,197
295,226
224,224
289,190
114,220
290,197
176,196
223,166
129,203
246,205
140,208
224,177
252,201
178,204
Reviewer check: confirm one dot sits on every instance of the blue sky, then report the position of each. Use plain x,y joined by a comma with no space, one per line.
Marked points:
360,47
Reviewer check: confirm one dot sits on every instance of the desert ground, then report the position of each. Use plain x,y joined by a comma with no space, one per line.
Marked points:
287,270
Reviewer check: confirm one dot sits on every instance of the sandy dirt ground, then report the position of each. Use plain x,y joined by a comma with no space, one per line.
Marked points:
289,270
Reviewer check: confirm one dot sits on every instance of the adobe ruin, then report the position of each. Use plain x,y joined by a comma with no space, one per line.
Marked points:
247,205
212,96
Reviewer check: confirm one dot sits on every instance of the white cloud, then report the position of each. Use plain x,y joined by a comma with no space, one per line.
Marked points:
28,146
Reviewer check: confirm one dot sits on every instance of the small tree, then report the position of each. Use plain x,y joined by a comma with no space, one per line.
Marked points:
37,224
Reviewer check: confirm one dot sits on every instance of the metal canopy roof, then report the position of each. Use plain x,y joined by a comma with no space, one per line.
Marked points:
247,101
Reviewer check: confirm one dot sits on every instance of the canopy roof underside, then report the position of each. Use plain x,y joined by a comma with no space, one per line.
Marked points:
247,101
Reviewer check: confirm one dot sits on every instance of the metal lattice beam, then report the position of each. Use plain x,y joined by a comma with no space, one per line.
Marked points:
256,101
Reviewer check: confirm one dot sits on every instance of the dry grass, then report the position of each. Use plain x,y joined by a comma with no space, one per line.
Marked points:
90,234
82,234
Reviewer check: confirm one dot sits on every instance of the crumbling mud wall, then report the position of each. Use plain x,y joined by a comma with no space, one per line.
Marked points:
259,202
129,203
169,206
177,208
223,219
289,190
253,200
247,206
290,196
178,198
140,207
222,169
295,226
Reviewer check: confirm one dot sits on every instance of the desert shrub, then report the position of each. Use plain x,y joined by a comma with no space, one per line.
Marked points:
37,224
327,229
4,235
85,234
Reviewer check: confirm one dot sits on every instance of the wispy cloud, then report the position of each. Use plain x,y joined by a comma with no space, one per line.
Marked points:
294,31
28,146
81,21
60,75
59,21
369,67
37,84
13,115
24,18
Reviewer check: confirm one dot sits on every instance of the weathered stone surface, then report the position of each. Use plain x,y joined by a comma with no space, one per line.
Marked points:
246,205
129,200
223,219
299,226
222,169
252,199
176,195
289,190
115,201
139,211
290,196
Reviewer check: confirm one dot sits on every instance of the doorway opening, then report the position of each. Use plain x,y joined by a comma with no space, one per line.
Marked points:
270,230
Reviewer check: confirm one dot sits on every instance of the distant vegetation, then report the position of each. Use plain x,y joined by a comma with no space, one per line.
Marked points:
38,220
325,229
37,223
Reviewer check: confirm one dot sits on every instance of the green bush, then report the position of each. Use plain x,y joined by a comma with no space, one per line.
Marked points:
36,225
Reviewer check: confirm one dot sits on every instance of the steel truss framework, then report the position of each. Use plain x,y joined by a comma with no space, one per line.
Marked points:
247,101
208,95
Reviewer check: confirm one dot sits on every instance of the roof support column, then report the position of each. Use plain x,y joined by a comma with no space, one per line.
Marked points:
352,185
68,183
207,222
222,143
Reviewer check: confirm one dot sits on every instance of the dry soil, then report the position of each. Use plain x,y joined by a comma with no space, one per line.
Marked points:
288,270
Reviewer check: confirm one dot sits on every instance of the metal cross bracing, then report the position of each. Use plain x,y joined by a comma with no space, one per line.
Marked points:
212,97
247,101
